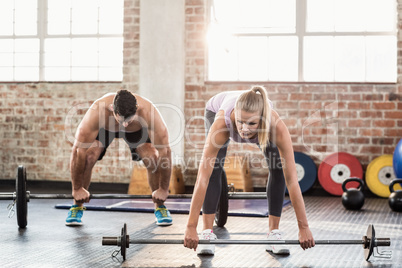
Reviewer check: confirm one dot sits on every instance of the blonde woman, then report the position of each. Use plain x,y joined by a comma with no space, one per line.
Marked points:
245,117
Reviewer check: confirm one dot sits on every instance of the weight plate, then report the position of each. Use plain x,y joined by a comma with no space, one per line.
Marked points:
370,236
123,241
21,197
337,167
397,160
221,215
306,171
379,175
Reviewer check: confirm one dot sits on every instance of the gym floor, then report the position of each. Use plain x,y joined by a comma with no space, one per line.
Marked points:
47,242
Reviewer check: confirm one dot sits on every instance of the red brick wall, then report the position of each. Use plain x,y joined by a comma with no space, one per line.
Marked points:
362,119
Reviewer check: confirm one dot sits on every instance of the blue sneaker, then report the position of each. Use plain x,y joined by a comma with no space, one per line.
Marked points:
75,215
162,216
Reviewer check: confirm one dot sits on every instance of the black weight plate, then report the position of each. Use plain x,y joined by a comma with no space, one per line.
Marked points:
123,242
371,236
21,192
306,171
221,215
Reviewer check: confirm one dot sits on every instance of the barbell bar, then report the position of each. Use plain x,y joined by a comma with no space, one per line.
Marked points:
369,242
21,197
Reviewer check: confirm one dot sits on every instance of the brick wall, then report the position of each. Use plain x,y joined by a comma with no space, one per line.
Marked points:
37,119
364,120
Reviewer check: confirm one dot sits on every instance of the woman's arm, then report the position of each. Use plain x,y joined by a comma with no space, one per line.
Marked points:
284,143
217,137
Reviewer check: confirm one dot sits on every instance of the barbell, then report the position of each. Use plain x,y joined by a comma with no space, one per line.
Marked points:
369,242
21,197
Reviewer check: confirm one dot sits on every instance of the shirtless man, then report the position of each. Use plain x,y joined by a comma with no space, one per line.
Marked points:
136,120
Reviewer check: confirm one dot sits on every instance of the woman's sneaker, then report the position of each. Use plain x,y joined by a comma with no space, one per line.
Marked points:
204,249
276,249
162,216
75,215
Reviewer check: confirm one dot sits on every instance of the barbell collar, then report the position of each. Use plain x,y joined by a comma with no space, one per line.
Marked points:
7,196
382,242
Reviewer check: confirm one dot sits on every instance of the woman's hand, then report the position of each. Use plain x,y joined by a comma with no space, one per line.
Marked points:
306,238
191,238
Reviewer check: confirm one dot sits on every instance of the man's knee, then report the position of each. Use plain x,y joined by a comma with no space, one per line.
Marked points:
150,158
93,156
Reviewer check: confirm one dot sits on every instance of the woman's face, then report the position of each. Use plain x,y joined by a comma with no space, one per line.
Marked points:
247,123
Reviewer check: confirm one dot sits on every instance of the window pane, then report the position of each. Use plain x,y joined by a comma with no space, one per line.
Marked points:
6,18
318,58
57,45
26,59
26,45
109,11
25,22
57,74
85,17
380,15
84,74
256,15
110,74
7,74
7,45
57,52
346,18
320,16
57,59
59,17
6,59
253,58
381,62
349,58
283,58
26,73
110,59
222,56
84,52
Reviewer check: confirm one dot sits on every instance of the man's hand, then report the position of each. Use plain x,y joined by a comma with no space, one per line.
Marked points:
81,195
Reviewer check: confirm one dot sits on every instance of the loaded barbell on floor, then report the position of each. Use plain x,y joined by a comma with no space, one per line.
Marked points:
21,197
369,242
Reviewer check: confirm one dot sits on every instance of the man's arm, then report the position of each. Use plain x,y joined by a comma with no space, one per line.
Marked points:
85,136
159,135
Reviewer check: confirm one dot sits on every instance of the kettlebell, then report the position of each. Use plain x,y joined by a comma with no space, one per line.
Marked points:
395,198
353,199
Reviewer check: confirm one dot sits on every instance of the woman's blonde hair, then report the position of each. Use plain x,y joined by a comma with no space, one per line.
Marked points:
256,100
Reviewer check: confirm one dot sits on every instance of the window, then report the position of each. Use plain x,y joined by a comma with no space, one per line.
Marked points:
69,40
302,40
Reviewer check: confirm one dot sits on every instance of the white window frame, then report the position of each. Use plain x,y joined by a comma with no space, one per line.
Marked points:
300,33
42,36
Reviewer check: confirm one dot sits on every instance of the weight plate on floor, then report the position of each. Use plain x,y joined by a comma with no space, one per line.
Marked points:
337,167
306,171
397,159
221,215
379,175
21,197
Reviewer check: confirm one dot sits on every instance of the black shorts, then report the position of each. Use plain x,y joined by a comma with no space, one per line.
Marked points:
133,139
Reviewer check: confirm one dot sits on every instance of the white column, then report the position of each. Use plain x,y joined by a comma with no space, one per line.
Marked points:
161,64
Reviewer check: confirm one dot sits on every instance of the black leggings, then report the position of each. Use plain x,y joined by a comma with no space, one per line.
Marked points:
275,185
